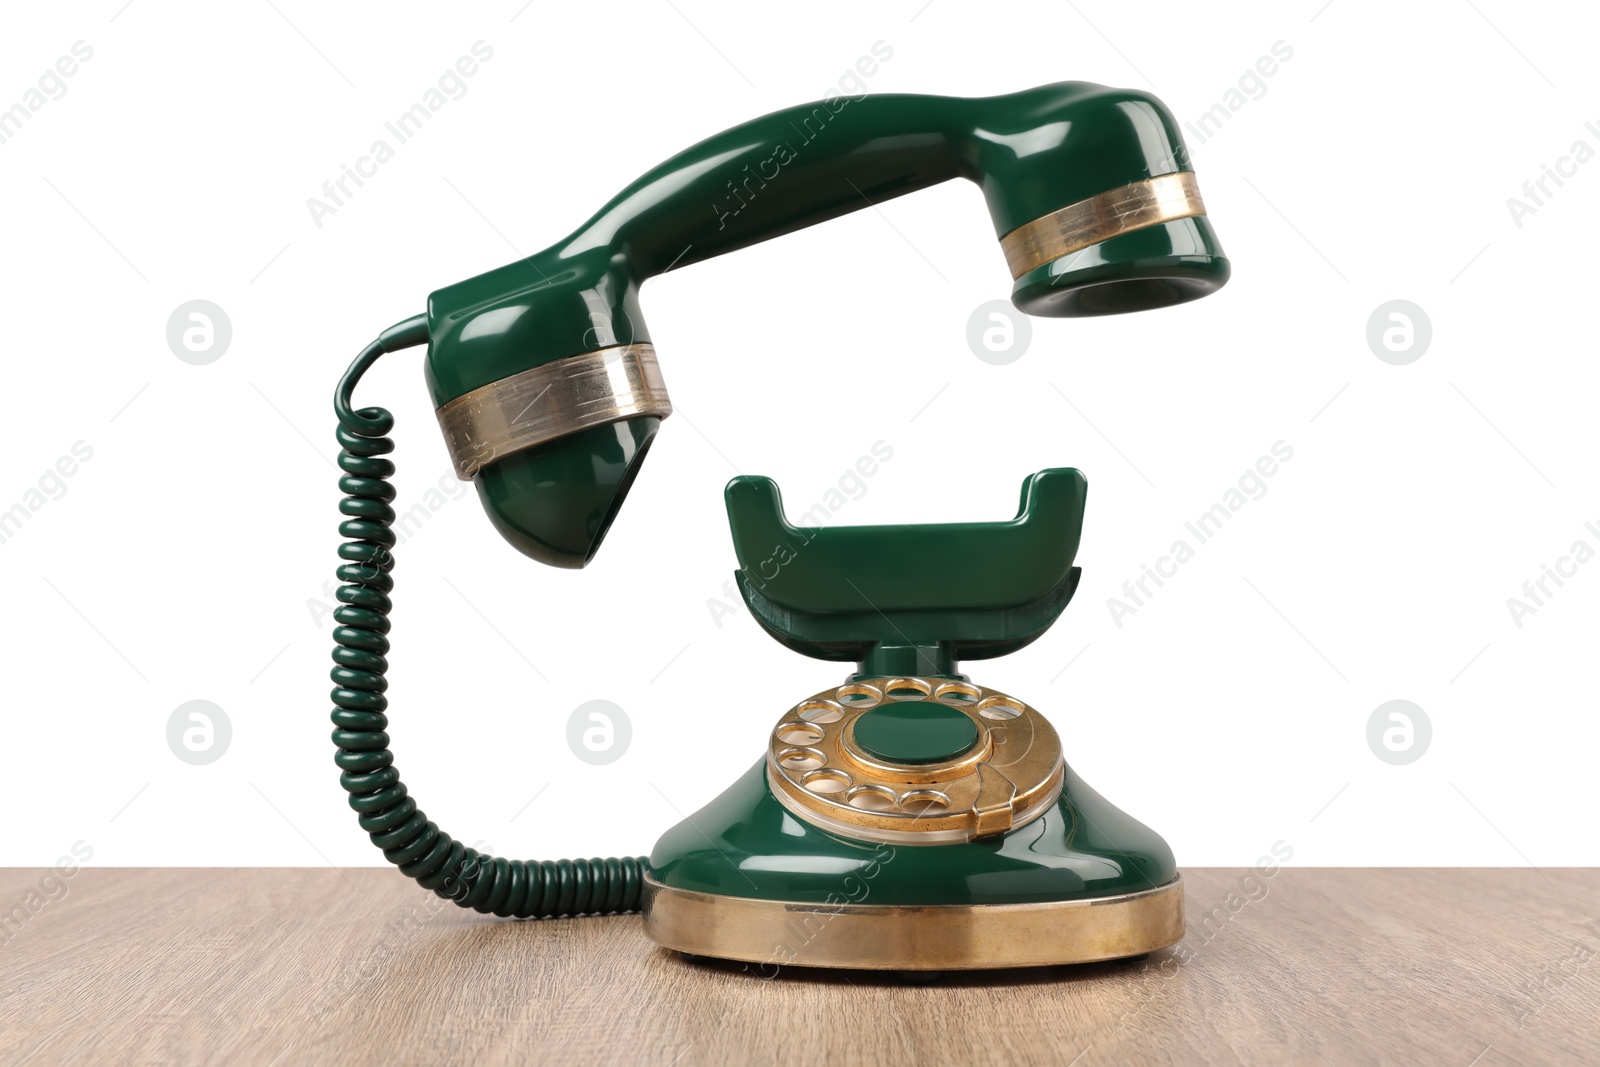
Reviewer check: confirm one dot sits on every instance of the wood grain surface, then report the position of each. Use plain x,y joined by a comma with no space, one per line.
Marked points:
1472,968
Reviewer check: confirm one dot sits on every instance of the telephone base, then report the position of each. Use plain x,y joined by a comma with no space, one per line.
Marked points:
890,937
744,878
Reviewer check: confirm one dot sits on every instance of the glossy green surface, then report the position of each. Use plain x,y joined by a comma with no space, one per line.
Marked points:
556,502
915,731
909,599
745,844
1030,152
1155,267
909,642
969,566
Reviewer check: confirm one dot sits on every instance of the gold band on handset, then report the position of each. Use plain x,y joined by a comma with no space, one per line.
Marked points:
552,400
1112,213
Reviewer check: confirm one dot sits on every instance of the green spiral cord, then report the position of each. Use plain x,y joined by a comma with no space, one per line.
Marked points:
409,839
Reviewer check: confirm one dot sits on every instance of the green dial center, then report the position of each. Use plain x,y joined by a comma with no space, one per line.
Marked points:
915,731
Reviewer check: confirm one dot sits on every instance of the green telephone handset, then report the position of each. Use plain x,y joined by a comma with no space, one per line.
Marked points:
907,819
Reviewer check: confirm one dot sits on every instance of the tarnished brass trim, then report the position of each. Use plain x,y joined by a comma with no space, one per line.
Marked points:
1008,778
551,401
1088,222
937,937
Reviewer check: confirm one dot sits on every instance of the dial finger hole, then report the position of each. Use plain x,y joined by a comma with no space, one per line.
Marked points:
871,798
820,711
799,733
908,689
1000,708
801,759
826,782
958,693
859,696
925,802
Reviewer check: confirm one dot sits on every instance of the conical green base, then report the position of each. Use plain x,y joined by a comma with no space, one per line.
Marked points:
745,844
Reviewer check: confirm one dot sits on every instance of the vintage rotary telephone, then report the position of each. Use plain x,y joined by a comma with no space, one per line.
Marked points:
908,818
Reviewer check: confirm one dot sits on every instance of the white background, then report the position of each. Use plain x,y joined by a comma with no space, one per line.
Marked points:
187,558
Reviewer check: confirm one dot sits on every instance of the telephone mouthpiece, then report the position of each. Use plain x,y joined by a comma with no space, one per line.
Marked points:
555,502
554,448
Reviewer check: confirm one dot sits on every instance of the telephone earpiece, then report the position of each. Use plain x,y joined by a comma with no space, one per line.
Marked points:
543,372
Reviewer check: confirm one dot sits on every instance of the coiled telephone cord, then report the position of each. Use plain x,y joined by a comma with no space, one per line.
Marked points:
409,839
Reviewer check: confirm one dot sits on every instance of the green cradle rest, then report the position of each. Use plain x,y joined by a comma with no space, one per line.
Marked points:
909,599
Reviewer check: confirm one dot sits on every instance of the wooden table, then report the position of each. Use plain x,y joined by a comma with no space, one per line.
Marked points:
1419,966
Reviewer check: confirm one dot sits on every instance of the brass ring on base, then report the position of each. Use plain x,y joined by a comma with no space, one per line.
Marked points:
890,937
